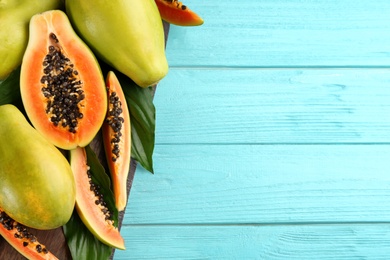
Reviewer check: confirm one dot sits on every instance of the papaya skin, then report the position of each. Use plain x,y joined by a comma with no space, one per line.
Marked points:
14,19
174,12
37,187
119,168
92,107
127,35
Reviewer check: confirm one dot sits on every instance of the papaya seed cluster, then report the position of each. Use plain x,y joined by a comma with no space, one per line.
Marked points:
61,88
99,198
22,232
115,121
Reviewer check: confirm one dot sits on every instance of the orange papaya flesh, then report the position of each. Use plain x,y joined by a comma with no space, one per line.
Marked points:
174,12
90,204
22,240
117,139
61,83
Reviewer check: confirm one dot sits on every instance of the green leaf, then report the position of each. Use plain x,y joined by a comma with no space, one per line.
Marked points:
10,90
81,242
143,121
100,177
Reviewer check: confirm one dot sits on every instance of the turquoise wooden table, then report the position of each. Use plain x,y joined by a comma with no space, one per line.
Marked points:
272,136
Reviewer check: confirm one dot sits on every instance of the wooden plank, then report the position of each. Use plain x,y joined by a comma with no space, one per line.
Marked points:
352,241
284,33
255,106
230,184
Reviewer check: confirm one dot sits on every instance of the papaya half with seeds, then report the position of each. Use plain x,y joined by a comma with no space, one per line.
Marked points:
37,187
174,12
14,18
127,35
117,139
90,204
61,83
22,240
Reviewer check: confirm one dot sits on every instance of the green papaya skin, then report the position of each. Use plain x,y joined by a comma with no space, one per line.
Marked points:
37,187
126,34
14,19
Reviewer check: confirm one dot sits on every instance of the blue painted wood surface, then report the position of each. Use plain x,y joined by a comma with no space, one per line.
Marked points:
272,136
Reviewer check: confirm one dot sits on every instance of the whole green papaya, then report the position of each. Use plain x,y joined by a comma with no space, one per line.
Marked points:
37,187
126,34
14,19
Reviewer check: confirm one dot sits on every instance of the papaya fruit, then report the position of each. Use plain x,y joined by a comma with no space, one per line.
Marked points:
22,240
174,12
116,133
90,203
61,83
127,35
37,187
14,19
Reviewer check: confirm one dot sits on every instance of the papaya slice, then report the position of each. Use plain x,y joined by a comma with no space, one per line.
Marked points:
61,83
117,139
174,12
22,240
90,204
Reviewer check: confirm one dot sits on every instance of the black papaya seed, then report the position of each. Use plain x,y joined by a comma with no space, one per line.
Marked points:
59,74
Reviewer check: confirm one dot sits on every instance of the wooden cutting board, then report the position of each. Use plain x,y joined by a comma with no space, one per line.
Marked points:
54,239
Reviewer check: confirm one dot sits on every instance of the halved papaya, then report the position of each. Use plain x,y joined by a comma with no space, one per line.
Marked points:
117,139
22,240
174,12
61,83
90,204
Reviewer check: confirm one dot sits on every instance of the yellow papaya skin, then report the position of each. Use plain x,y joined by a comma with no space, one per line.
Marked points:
126,34
14,19
37,187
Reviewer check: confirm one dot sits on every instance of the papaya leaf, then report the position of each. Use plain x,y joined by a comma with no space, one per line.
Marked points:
10,90
143,120
101,178
81,242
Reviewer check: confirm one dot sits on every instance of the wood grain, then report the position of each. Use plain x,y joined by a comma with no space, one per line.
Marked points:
282,33
244,184
257,106
298,242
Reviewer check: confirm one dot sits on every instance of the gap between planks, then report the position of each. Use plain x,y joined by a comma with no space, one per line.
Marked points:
280,67
275,144
330,223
